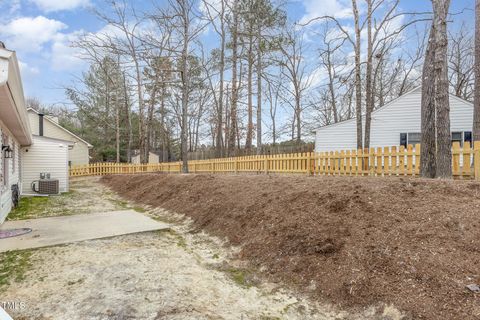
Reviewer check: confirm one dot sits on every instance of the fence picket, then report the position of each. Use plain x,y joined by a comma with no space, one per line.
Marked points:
378,161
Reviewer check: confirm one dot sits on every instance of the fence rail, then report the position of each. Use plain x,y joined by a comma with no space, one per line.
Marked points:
387,161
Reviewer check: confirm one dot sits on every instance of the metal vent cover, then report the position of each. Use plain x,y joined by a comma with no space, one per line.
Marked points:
48,186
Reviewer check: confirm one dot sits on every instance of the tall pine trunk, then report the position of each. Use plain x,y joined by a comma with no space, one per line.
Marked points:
259,90
442,105
368,78
358,83
219,144
476,104
234,96
185,87
428,139
248,141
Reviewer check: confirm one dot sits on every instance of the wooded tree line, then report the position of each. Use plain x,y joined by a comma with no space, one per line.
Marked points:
156,84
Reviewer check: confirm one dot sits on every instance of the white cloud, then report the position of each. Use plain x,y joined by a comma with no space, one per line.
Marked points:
15,6
336,8
27,70
58,5
63,56
29,34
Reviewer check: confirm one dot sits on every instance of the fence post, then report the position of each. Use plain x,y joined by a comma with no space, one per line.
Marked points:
309,163
476,160
265,165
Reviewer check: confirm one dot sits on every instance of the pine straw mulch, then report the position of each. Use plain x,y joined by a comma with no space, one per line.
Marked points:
352,241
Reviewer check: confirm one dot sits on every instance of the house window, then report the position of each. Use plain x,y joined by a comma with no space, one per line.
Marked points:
414,138
457,137
403,139
467,136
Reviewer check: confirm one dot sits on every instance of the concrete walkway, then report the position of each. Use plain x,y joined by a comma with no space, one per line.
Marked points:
66,229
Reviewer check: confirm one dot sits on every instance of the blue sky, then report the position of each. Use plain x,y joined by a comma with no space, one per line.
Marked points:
41,30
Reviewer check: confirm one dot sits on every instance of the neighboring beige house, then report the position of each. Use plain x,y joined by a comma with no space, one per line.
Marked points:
43,125
45,155
24,157
152,157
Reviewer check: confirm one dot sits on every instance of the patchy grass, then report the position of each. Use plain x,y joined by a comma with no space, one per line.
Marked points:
240,277
139,209
121,204
30,207
13,266
83,197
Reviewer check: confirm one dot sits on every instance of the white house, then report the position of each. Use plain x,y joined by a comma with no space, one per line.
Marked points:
44,125
396,123
23,155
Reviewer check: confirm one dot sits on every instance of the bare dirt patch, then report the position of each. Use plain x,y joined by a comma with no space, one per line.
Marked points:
176,274
357,242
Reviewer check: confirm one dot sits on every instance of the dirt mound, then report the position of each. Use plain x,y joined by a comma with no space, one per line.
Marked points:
354,241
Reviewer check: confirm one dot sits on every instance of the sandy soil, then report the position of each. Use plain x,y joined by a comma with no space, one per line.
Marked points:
173,274
355,242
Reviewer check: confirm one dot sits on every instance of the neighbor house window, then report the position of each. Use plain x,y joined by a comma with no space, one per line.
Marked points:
403,139
467,136
457,137
414,138
410,138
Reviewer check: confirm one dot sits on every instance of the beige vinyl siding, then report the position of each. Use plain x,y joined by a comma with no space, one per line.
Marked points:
152,158
79,154
44,155
400,116
13,175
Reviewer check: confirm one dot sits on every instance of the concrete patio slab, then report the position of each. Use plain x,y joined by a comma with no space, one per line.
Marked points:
66,229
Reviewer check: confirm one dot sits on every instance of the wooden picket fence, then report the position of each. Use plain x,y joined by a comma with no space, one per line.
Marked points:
387,161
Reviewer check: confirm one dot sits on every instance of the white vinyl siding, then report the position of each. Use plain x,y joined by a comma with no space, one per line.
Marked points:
13,178
77,155
44,155
399,116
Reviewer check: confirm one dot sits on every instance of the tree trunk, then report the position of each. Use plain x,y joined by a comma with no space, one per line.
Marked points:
149,124
298,112
358,83
219,137
331,88
117,127
248,141
259,91
442,105
368,78
476,108
141,113
234,95
428,140
128,120
165,150
185,87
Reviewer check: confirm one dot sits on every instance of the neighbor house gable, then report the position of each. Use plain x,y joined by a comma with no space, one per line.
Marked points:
57,131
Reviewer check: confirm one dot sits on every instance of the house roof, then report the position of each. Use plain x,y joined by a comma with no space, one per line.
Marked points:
69,143
385,106
59,126
13,112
